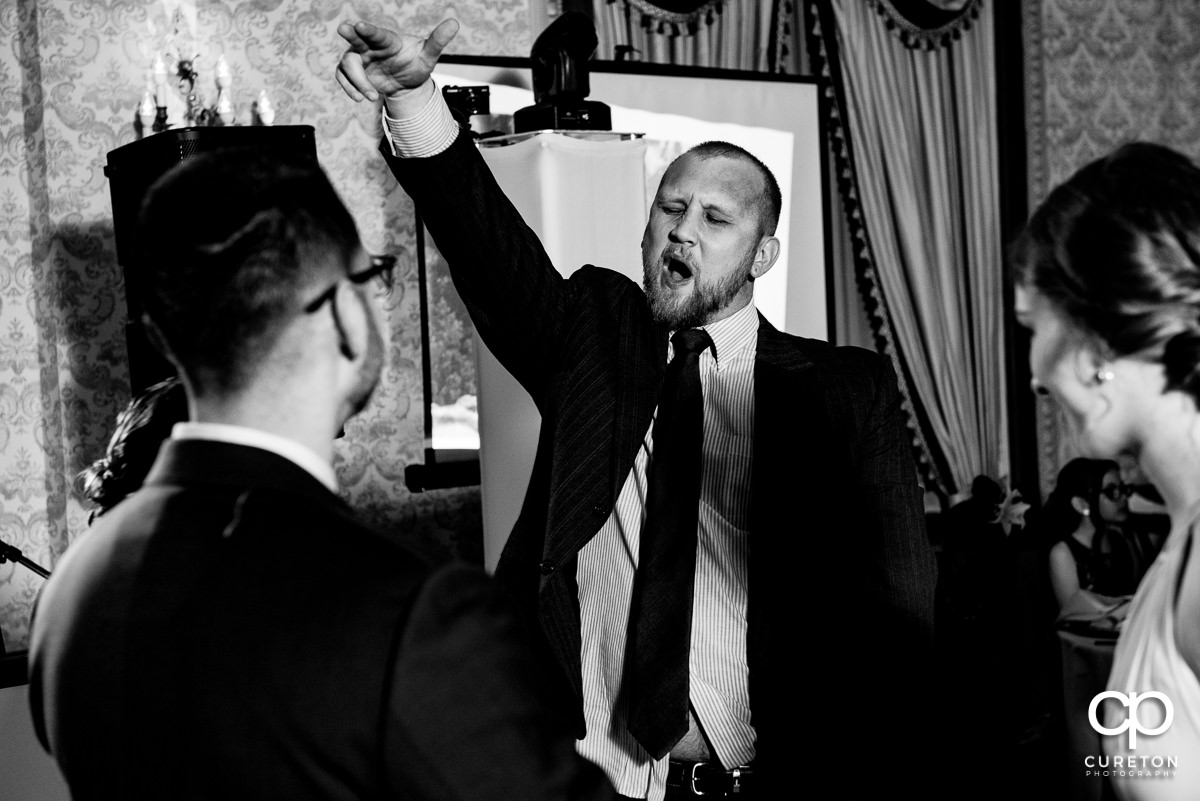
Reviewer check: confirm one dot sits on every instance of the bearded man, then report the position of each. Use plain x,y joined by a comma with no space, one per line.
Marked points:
723,538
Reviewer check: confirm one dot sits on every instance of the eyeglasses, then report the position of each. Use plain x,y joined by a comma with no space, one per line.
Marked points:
1115,492
382,269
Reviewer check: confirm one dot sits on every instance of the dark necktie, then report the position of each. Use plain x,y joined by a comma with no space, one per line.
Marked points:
661,610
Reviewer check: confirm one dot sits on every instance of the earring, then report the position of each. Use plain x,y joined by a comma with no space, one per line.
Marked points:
1103,375
1038,387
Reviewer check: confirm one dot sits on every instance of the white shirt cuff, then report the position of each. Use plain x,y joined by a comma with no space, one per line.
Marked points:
427,133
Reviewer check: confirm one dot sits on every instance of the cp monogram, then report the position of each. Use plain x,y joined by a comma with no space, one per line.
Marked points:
1132,722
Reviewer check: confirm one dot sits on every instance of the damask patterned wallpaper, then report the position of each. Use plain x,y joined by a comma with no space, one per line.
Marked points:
1100,73
71,77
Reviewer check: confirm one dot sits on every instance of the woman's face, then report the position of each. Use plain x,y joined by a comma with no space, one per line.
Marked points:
1062,362
1114,498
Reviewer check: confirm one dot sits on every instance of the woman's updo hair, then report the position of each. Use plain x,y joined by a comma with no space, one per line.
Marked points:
141,428
1116,248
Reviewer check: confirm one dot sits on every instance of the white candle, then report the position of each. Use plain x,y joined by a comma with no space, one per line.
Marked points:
223,74
225,107
160,81
266,112
146,112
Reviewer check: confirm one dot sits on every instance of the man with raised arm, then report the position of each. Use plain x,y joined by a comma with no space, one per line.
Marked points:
722,548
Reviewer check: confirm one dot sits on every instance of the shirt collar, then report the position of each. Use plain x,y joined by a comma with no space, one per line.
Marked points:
732,335
289,449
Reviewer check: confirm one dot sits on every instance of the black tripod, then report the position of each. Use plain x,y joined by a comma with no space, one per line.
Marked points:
10,554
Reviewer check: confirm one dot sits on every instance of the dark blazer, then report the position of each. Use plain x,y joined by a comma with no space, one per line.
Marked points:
841,573
231,631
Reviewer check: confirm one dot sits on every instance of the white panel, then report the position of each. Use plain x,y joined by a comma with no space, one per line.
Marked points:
586,201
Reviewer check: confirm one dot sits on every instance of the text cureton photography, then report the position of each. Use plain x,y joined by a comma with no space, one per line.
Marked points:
1121,716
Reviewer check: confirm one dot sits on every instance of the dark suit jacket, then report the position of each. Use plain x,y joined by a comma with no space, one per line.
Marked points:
841,573
230,631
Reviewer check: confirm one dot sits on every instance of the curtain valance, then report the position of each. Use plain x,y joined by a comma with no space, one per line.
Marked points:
927,24
674,17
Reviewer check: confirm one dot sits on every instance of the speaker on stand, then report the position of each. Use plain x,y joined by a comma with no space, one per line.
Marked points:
132,168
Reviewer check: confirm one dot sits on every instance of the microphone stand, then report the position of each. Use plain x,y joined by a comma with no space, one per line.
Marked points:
10,554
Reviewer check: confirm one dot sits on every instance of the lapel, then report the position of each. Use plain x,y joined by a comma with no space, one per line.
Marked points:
584,492
637,398
792,438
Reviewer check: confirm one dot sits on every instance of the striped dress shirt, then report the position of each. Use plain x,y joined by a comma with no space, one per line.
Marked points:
717,664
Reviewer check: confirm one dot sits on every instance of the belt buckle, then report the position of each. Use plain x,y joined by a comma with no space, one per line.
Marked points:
692,780
735,787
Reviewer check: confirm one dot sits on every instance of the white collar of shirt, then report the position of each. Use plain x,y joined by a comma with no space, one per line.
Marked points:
289,449
734,334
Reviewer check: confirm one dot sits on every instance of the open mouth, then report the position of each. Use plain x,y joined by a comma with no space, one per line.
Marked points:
678,272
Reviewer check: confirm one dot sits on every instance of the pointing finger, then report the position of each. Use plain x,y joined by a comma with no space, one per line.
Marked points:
372,36
350,34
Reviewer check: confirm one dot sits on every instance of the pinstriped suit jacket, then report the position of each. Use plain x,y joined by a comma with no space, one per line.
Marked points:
841,573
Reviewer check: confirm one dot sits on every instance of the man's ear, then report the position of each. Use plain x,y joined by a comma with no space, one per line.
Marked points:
159,342
155,335
764,257
351,318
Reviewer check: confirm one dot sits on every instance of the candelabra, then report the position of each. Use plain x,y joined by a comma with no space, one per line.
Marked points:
152,112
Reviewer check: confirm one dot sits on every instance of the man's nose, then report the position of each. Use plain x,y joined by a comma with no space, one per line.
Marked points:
684,230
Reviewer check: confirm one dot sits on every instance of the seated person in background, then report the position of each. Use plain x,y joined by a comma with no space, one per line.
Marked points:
974,570
1147,511
1094,550
141,428
230,630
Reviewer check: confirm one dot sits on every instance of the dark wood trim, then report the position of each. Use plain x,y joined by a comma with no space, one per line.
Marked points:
637,68
1014,209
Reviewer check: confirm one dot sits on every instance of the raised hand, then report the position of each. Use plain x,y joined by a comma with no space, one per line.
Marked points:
383,63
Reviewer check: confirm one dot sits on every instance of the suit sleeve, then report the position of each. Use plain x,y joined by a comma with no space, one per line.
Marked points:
901,579
467,716
517,300
902,570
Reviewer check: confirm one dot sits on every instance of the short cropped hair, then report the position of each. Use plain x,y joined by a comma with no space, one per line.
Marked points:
230,241
770,203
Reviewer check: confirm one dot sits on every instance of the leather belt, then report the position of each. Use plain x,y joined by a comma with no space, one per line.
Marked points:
709,780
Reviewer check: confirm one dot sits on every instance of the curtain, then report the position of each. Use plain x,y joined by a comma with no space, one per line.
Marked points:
724,34
914,133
